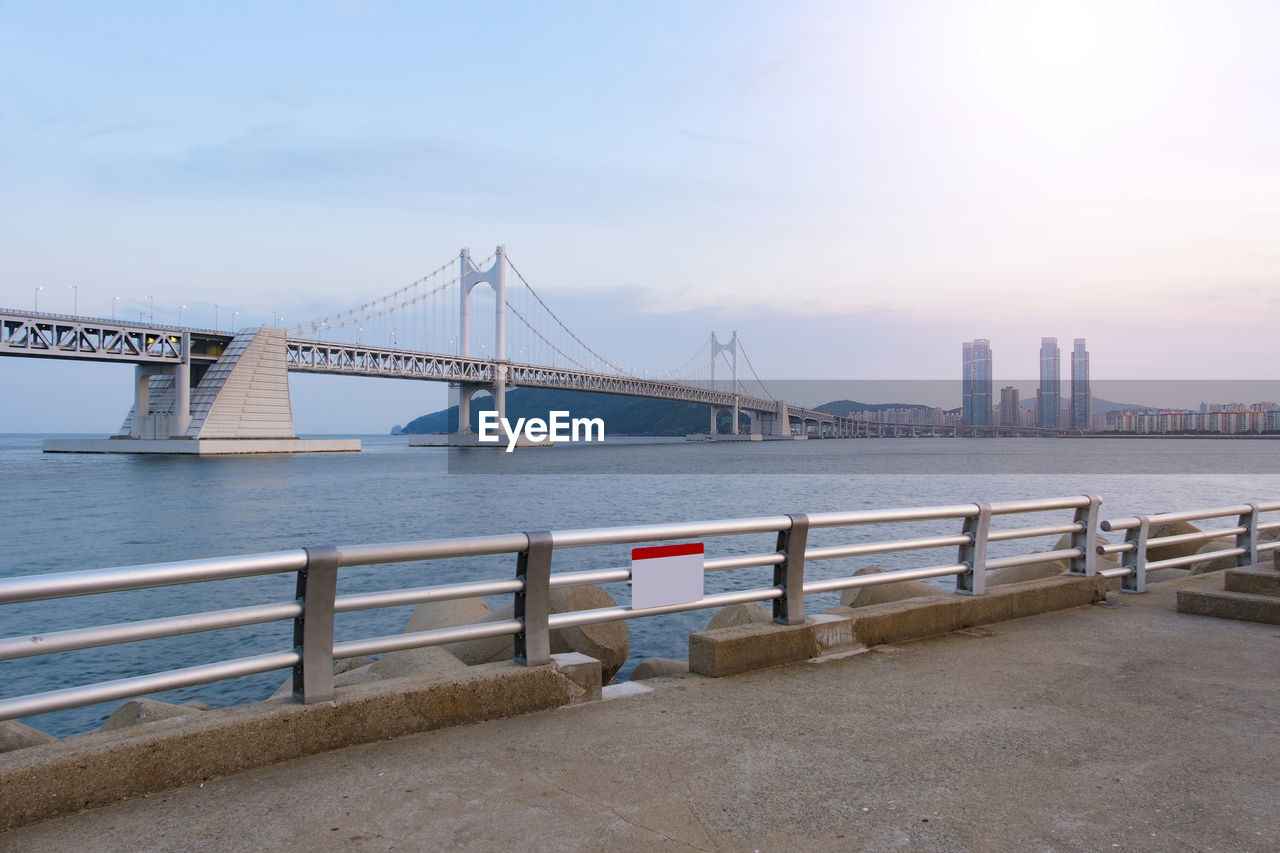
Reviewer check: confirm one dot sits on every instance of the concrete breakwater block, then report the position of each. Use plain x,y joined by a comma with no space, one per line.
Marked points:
447,614
138,711
866,596
607,642
1217,564
1156,553
15,735
739,614
658,668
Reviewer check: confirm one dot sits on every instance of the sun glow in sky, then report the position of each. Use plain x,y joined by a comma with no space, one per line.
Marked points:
856,186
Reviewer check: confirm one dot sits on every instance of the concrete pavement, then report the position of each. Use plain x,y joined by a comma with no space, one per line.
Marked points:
1116,726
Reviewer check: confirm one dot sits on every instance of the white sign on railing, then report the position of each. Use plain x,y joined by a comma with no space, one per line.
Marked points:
666,574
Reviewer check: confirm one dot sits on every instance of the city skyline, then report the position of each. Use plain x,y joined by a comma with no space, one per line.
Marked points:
932,159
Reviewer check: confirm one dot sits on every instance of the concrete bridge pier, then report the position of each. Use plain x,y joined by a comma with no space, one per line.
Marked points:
240,405
466,391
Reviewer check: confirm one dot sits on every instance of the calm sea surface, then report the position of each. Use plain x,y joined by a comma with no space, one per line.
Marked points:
62,512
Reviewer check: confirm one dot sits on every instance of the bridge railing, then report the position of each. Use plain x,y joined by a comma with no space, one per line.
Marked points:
316,570
1245,546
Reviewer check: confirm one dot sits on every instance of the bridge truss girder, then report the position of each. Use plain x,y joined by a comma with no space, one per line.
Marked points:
90,339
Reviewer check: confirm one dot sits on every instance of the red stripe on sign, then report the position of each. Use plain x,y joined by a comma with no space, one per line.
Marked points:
666,551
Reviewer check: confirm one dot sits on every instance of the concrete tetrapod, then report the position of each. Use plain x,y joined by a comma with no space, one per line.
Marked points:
607,642
658,668
1219,563
866,596
16,735
739,614
1156,553
1049,568
138,711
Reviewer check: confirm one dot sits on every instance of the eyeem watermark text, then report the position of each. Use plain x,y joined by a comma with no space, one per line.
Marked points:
557,428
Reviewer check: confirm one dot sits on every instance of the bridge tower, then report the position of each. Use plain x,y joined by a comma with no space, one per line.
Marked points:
732,349
469,275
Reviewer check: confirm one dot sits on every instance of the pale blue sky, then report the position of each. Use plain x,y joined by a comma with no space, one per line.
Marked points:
856,186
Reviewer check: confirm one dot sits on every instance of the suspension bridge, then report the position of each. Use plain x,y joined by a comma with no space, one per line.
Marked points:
227,391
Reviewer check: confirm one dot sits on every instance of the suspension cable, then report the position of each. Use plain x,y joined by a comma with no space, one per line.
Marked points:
597,355
753,370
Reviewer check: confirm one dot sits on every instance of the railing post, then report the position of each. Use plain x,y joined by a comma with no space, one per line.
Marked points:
1136,559
1248,539
313,630
974,553
533,603
1086,540
789,575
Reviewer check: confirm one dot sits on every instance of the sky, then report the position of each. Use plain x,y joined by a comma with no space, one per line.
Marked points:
857,187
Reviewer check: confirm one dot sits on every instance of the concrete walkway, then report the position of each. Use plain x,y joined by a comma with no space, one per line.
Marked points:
1116,726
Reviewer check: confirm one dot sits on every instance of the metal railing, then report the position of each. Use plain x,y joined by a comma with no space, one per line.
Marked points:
1137,544
316,569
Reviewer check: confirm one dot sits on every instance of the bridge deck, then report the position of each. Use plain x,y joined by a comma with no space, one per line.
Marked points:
1126,725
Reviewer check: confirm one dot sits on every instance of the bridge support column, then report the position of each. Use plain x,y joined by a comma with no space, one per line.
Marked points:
141,398
500,390
182,391
465,391
782,421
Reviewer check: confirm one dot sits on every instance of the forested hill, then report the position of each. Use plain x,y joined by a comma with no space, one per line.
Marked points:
622,415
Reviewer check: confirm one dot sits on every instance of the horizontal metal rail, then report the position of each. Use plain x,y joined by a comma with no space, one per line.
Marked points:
12,648
836,584
419,639
1034,532
1039,505
124,688
888,516
615,614
1176,562
1118,572
833,551
422,595
1188,538
662,532
1171,517
432,549
1118,548
1031,559
93,581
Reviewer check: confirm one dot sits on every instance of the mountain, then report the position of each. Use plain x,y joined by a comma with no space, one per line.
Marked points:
622,415
844,407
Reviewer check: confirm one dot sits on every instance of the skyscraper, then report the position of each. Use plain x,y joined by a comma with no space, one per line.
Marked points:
1009,406
1081,393
1049,397
975,383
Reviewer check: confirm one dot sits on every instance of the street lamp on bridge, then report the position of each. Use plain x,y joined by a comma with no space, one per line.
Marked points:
38,289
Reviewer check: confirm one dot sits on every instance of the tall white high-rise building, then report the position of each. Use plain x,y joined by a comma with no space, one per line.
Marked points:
1049,397
975,382
1081,393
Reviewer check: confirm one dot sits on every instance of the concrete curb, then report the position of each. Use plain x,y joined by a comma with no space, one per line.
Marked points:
102,767
742,648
